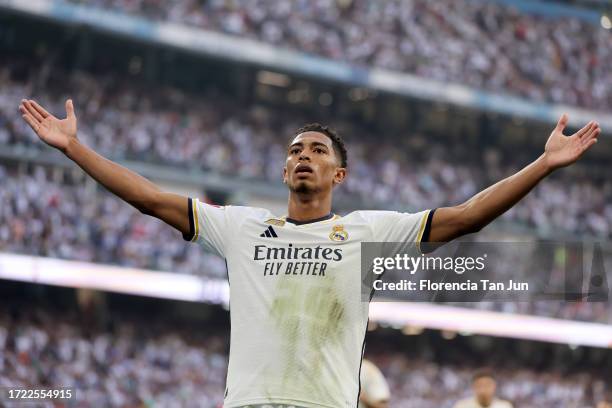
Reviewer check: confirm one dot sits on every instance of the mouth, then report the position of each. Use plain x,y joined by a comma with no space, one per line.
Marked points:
303,169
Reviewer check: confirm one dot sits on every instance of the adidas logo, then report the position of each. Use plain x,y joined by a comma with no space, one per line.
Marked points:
269,232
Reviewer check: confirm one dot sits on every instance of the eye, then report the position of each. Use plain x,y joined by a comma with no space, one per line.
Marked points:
318,150
294,150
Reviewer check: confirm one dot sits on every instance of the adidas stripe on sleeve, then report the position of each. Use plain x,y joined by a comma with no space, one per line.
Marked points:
208,225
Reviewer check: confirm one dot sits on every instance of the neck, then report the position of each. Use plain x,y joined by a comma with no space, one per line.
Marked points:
305,207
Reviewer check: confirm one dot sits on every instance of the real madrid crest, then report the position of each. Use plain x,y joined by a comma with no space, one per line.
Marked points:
338,233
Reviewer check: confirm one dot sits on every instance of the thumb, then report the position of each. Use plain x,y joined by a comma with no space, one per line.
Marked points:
562,122
69,108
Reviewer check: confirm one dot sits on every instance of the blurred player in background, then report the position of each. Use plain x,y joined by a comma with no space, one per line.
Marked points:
374,387
297,315
484,387
606,402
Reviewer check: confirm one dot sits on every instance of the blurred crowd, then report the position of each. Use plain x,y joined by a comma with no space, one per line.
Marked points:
407,172
131,365
143,362
46,218
485,45
425,384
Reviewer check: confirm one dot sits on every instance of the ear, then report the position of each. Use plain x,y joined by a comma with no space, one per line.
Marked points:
285,175
339,176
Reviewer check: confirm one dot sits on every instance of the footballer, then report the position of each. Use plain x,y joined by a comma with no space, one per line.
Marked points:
298,322
375,391
484,387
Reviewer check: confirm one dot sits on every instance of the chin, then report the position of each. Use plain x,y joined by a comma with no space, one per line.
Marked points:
303,187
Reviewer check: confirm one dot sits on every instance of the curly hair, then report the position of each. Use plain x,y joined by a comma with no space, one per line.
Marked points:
337,141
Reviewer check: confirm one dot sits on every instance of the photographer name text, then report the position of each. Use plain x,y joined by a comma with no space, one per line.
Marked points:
468,285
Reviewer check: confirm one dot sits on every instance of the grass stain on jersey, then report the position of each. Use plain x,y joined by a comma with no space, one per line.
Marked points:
310,317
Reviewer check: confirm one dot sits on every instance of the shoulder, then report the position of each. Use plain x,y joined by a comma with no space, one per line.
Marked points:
233,209
370,215
367,366
373,216
230,212
247,211
371,373
238,214
464,403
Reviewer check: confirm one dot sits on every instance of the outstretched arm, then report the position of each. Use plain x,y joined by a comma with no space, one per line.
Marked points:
136,190
449,223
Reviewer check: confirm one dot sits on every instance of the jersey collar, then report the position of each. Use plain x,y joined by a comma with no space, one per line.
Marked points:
296,222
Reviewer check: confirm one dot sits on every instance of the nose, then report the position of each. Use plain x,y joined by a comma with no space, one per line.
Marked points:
304,156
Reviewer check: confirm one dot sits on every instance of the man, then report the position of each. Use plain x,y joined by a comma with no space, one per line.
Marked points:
606,401
605,404
484,387
374,388
298,322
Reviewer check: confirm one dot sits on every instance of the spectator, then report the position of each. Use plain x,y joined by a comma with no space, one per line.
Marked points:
485,45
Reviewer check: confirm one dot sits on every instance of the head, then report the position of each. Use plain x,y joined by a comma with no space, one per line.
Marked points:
316,160
484,387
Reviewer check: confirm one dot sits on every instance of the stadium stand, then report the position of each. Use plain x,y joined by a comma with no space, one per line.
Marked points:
491,46
137,351
127,121
132,360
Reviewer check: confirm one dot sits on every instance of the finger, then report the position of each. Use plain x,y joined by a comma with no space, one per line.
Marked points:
585,129
69,108
562,122
31,121
592,134
588,145
32,111
594,128
24,111
39,109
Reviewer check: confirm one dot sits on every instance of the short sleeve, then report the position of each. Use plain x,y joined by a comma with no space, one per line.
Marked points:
207,225
393,226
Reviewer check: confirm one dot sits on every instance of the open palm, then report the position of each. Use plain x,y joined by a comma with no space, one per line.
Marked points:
51,130
563,150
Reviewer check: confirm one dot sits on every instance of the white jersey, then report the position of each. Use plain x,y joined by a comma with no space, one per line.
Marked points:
373,383
473,403
298,322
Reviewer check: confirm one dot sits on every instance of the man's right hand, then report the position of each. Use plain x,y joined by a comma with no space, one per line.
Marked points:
132,188
51,130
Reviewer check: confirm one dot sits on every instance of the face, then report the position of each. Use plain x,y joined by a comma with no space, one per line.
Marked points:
312,165
604,404
484,390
